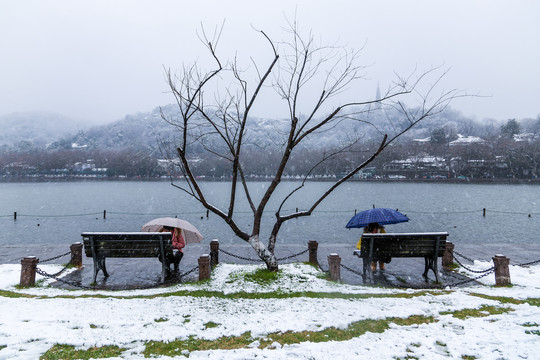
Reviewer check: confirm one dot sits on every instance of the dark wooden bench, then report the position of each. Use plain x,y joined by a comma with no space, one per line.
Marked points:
380,247
101,245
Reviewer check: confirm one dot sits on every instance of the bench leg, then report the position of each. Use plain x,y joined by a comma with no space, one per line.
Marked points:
435,269
426,267
431,263
99,264
366,267
164,269
105,273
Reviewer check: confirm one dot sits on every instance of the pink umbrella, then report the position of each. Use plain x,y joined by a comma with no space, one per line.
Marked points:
190,232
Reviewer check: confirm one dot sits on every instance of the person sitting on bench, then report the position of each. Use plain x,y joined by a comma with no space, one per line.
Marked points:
178,243
374,228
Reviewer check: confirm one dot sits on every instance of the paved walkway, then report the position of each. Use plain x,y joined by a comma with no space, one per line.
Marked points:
142,273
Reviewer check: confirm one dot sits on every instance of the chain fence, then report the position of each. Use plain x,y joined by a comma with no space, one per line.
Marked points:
260,260
471,270
463,256
471,260
55,257
56,275
482,211
482,273
81,286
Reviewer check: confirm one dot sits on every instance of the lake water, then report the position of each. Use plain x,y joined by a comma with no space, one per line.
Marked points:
57,213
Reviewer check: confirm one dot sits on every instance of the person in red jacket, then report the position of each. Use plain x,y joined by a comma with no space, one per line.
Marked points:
178,243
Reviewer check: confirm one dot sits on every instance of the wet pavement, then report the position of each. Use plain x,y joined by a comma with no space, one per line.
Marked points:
126,273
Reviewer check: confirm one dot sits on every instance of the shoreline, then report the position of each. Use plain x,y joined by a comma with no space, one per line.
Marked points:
420,181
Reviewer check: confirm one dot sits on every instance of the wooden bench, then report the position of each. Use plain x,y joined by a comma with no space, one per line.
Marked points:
101,245
380,247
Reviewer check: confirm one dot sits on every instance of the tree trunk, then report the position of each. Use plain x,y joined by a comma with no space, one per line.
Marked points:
263,252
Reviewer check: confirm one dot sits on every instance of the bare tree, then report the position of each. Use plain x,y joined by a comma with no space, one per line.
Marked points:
215,111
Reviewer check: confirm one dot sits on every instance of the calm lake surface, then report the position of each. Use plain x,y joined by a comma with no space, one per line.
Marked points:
57,213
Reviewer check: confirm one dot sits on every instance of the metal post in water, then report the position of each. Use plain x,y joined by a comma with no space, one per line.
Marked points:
104,214
15,215
484,212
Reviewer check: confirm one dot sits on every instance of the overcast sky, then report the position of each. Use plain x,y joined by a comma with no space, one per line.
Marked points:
98,61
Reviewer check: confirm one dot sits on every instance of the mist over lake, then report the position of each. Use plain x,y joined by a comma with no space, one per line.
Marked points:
57,213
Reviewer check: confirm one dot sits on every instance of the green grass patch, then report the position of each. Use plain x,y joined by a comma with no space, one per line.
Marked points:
323,275
483,311
59,351
501,299
533,301
532,332
468,357
260,276
238,295
13,294
355,329
210,325
509,300
3,347
175,348
162,319
263,276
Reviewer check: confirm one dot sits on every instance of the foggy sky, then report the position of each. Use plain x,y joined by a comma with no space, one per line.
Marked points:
98,61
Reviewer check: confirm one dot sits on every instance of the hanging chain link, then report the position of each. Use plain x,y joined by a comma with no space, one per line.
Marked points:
321,268
55,257
188,272
352,270
294,255
463,256
260,260
55,274
240,257
77,285
55,277
529,263
471,270
473,279
471,260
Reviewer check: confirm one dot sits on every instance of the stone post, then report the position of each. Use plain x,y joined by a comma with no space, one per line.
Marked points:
312,247
76,254
502,272
204,267
28,271
334,262
214,252
448,257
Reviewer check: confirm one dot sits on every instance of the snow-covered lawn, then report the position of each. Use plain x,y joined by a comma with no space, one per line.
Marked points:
32,324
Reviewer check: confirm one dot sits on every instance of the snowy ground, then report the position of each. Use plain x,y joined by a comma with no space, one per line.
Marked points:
29,326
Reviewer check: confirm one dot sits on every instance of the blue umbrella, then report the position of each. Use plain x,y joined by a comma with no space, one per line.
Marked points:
380,216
